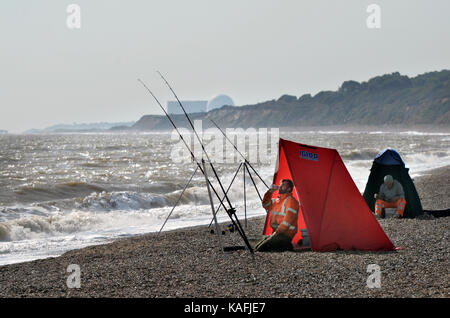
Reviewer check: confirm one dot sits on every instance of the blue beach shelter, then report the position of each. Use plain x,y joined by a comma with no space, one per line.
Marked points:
389,161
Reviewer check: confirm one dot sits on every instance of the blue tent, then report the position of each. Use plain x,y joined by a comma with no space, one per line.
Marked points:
388,161
389,157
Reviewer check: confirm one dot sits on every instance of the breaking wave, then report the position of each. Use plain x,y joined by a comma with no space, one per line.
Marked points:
359,154
125,200
63,217
105,201
39,226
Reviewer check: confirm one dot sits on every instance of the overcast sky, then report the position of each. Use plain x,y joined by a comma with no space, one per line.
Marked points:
251,50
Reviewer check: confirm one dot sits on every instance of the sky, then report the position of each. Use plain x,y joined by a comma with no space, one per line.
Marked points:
251,50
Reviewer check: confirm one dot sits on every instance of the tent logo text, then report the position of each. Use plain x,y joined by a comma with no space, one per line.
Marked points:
309,155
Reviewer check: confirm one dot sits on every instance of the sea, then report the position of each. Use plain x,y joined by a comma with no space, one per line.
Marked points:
65,191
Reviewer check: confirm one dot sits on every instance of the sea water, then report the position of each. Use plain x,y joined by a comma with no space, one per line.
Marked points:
65,191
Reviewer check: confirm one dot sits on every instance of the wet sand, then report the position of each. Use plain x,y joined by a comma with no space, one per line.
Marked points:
189,263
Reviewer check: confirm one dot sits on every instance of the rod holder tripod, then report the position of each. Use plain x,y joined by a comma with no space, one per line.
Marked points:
230,211
245,171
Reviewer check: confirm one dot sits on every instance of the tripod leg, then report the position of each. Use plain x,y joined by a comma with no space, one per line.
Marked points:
178,200
231,213
257,174
212,206
239,228
254,184
223,198
245,199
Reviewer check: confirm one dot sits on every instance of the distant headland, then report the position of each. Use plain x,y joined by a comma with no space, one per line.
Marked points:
387,100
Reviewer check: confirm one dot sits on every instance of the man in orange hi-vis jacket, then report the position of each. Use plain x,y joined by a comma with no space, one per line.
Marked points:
283,218
391,195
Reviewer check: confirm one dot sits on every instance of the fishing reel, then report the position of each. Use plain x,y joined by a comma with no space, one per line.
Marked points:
230,227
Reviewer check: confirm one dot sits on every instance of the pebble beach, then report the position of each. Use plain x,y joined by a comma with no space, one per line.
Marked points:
189,263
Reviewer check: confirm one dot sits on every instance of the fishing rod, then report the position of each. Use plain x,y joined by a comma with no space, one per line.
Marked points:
243,157
231,211
181,137
199,140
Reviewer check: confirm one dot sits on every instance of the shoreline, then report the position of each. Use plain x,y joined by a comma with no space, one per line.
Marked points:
187,262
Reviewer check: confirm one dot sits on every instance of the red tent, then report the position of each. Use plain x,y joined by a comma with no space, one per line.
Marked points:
331,206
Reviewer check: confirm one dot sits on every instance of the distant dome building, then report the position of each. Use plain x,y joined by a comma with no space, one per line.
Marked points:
191,106
219,101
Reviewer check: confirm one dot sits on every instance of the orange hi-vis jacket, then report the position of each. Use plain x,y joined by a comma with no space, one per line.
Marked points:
283,213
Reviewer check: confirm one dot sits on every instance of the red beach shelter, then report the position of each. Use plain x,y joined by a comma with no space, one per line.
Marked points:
331,206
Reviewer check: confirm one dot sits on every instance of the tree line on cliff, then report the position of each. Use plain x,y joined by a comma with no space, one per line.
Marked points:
391,99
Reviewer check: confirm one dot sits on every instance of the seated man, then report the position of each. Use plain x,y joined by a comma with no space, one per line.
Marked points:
283,218
391,196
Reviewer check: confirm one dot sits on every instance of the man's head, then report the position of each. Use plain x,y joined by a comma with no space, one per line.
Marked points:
388,181
286,186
